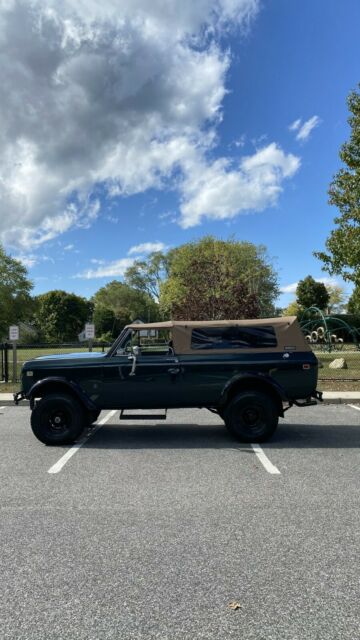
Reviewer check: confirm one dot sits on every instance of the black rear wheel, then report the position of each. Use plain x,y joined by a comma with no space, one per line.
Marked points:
251,416
57,419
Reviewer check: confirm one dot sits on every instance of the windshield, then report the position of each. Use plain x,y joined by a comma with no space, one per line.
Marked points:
125,333
150,341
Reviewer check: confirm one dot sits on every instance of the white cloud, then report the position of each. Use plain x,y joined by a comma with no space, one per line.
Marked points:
289,288
69,247
294,126
113,269
101,93
28,261
240,142
147,247
127,97
220,190
329,282
304,129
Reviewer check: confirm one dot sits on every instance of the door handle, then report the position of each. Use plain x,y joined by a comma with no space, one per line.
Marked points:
174,371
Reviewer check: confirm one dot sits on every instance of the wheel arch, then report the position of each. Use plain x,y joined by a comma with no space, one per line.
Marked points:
252,382
59,385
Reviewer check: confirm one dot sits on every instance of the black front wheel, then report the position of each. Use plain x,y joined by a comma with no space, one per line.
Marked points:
251,416
57,419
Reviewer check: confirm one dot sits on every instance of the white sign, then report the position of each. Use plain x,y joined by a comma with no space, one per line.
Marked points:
89,331
148,333
13,333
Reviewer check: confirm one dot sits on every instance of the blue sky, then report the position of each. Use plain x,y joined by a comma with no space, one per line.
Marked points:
181,130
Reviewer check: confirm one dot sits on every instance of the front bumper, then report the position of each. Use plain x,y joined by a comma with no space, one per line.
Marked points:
19,396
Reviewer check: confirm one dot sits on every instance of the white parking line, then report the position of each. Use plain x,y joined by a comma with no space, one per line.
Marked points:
1,408
63,460
270,468
353,406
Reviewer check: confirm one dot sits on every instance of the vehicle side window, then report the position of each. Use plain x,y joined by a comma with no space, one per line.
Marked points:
152,342
233,338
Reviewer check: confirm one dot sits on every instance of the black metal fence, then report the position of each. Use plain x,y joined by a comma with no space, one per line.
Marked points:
4,362
340,365
26,352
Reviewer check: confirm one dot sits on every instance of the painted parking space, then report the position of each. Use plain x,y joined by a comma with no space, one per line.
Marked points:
312,429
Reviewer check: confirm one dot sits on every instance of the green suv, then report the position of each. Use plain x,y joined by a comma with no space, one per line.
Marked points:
247,371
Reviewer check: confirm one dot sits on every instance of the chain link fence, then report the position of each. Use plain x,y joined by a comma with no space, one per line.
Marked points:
339,369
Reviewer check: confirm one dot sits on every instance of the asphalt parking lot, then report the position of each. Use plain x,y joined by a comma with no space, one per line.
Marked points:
150,531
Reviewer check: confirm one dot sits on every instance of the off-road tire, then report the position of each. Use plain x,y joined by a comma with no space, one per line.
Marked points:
57,419
251,416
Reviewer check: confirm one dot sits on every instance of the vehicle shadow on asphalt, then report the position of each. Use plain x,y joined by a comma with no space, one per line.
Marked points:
308,436
195,436
140,436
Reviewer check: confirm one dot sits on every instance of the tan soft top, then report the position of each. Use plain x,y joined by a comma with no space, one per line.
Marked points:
288,333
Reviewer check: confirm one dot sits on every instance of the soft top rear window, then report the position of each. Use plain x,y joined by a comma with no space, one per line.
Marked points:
233,337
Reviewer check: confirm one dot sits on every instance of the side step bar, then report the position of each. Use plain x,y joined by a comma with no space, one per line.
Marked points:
128,414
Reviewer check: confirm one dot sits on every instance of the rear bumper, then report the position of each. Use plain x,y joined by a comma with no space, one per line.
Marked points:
312,400
318,395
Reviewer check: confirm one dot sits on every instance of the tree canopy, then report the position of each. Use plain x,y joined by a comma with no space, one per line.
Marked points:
15,288
353,305
125,302
310,293
292,309
60,316
337,298
147,275
217,279
343,245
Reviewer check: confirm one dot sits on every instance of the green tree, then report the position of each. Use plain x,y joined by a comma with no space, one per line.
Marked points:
218,279
343,245
310,293
107,326
337,298
293,309
353,305
126,303
61,316
15,300
148,275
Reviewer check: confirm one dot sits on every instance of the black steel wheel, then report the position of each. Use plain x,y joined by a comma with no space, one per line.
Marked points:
57,419
251,416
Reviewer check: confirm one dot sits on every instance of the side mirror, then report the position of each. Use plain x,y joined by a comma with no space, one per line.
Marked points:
135,353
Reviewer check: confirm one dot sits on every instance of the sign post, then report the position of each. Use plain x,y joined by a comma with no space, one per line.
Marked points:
13,337
90,334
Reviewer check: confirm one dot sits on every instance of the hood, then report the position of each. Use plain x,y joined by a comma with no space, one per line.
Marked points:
69,356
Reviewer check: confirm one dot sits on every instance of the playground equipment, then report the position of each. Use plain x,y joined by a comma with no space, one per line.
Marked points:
321,330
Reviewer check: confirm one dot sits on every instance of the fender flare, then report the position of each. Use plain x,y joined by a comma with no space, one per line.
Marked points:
74,388
259,379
